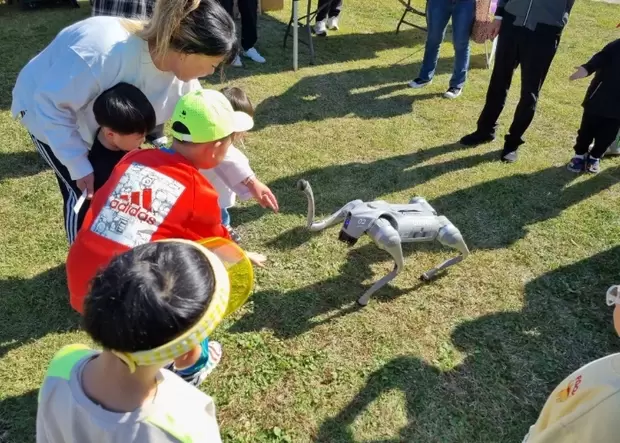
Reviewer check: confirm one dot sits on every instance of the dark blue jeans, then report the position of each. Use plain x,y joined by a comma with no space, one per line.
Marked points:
438,15
225,217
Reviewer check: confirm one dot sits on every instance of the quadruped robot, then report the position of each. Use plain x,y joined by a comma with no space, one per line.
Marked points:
390,225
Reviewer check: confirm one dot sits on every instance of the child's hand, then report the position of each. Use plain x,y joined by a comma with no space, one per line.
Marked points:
257,259
262,194
580,72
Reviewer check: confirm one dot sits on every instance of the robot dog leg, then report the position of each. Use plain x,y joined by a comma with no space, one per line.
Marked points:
448,235
387,238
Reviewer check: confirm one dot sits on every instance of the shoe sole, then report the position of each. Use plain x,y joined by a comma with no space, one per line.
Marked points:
451,96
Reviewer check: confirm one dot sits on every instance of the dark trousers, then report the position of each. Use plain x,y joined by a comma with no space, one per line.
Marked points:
249,19
600,130
534,51
328,8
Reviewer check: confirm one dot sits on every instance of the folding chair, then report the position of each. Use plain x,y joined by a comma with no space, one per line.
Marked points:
409,9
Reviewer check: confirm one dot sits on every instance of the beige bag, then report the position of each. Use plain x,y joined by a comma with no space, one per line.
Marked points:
482,22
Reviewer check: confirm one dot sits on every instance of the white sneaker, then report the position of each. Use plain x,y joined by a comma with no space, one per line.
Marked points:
237,62
332,23
253,54
613,149
320,28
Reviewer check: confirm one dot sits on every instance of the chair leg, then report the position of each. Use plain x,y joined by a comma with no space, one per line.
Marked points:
288,31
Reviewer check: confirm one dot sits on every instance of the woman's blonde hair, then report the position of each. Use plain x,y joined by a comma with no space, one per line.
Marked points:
187,26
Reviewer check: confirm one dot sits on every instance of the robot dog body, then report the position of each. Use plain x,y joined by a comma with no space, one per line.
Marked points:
390,225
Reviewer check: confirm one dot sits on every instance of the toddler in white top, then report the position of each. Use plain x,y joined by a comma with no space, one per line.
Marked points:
234,177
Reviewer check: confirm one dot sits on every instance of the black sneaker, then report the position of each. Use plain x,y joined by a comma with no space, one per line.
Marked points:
453,93
477,138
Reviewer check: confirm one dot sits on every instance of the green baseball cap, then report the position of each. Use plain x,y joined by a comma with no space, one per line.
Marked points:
206,115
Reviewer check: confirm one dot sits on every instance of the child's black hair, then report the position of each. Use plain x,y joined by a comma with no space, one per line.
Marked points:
125,109
239,100
148,296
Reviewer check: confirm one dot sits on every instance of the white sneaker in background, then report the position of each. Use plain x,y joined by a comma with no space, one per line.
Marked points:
320,28
237,62
332,23
253,54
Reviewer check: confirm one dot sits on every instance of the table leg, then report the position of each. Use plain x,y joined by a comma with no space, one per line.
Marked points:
295,33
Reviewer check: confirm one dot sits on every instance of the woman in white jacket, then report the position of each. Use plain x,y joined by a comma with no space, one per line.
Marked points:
163,57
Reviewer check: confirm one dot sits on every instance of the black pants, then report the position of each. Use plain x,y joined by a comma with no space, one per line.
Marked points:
68,187
534,51
328,8
249,17
601,130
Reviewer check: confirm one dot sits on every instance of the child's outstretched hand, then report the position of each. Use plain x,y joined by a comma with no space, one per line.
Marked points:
262,194
580,72
257,259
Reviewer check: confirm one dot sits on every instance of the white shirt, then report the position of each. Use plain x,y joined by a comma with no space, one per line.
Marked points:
57,88
227,177
178,413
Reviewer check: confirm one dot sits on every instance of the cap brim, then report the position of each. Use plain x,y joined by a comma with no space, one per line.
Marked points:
242,122
239,269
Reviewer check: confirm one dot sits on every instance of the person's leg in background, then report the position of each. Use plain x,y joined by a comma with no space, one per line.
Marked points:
333,16
506,61
437,16
585,136
323,8
228,5
536,54
605,130
249,29
69,190
462,21
225,217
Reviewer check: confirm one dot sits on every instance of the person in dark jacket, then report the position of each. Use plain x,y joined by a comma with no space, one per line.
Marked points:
529,34
601,109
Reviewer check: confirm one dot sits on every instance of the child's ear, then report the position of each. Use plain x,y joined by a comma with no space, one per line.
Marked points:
188,359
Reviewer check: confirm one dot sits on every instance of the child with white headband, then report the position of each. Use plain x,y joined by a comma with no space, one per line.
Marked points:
585,407
152,305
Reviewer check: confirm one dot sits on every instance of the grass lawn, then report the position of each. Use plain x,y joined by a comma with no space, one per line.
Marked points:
470,357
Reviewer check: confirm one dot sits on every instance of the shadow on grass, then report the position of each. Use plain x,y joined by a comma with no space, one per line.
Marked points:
368,93
18,417
514,360
24,33
32,308
20,164
294,313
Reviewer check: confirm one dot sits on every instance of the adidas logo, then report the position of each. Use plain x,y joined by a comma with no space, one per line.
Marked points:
137,204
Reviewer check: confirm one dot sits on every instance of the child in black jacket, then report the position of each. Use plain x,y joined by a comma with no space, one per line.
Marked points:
601,109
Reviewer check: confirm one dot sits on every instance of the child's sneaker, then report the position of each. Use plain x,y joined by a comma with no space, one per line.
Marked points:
320,28
209,358
234,235
577,164
593,165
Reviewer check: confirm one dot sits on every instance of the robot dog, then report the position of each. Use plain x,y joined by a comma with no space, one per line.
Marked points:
389,226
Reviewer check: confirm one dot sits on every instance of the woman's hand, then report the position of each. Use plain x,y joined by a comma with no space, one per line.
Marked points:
580,72
257,259
87,183
262,194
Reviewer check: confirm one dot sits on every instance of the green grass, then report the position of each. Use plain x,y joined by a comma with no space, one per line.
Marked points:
470,357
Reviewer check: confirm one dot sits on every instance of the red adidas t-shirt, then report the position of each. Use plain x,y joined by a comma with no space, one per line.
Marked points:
151,195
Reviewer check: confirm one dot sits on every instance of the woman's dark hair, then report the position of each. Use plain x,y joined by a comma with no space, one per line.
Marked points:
239,100
148,296
188,26
125,109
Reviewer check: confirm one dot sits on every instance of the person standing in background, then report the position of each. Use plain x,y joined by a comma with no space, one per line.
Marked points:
138,9
438,13
248,9
327,16
529,34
